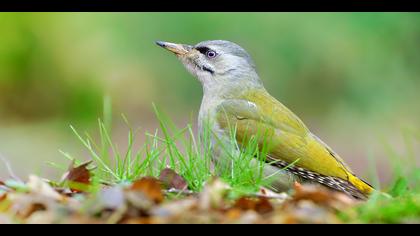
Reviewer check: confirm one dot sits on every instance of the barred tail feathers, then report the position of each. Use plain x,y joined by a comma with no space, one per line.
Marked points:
355,187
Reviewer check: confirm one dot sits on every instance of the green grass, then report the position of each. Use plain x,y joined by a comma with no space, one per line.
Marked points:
177,148
401,203
380,208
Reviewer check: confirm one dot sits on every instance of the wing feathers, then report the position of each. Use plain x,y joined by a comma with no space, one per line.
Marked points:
289,140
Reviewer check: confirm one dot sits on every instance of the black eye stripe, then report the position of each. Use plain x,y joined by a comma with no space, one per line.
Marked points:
203,50
206,51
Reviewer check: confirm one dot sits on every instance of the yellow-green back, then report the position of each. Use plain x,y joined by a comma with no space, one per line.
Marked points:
290,139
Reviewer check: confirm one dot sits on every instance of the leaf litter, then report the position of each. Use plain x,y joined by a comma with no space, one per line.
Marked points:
148,200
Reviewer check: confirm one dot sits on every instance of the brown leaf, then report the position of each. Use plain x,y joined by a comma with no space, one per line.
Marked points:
233,214
142,220
149,186
314,193
321,195
171,180
39,197
78,177
3,191
3,196
260,205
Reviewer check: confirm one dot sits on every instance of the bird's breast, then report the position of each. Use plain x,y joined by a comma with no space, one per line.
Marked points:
208,126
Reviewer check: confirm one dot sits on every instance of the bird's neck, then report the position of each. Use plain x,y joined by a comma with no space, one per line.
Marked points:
226,87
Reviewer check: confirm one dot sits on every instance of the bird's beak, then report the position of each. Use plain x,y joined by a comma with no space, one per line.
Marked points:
178,49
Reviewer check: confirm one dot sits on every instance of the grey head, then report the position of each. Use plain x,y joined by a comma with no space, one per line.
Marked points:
218,64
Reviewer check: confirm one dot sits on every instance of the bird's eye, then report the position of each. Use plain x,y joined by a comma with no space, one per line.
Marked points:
211,54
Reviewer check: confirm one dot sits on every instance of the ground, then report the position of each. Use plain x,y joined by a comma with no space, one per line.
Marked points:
168,199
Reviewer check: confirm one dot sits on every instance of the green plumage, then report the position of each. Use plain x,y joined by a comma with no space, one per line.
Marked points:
256,113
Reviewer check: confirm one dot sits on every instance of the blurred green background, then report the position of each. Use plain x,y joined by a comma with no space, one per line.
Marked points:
352,77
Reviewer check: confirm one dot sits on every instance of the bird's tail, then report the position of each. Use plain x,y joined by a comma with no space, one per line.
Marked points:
360,184
354,186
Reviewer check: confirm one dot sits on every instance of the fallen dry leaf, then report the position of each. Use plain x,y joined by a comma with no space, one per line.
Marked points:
54,217
260,205
150,187
39,197
143,220
3,191
321,195
4,203
37,185
3,196
233,213
171,180
78,177
174,208
304,212
143,202
213,194
313,193
24,205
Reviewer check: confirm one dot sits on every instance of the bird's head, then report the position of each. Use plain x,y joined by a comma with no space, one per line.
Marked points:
216,63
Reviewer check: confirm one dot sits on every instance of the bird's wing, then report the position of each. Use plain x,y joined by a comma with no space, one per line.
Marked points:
287,137
287,140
